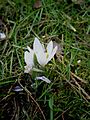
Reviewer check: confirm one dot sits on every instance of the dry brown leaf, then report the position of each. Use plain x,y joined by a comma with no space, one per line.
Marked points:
37,4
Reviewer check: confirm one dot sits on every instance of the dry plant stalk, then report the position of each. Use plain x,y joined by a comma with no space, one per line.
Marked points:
30,94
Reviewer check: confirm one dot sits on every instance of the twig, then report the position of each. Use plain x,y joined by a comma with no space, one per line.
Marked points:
80,88
30,94
80,79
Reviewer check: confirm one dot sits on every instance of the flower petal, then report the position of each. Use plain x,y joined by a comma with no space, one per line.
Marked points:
29,49
17,89
37,45
52,54
49,47
43,78
39,52
29,57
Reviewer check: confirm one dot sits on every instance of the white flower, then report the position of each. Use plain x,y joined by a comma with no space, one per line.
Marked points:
43,78
29,59
2,35
43,57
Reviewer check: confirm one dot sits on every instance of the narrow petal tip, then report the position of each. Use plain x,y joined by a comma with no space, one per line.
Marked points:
43,78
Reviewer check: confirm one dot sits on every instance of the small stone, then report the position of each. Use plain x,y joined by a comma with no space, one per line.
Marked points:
78,61
2,36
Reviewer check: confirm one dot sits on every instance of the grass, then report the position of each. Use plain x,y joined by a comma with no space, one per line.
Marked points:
67,96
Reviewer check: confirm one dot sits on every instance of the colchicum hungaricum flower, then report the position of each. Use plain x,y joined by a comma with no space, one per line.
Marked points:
43,56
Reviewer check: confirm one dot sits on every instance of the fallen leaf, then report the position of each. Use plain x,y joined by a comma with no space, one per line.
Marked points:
37,4
60,47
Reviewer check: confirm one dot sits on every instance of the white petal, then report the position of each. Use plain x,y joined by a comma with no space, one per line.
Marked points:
29,49
37,45
52,54
39,52
43,78
29,58
41,59
17,89
49,47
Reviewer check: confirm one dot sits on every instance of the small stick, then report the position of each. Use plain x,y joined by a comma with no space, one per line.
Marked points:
80,79
32,99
